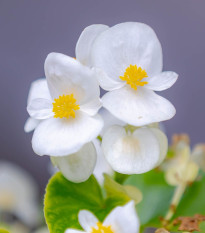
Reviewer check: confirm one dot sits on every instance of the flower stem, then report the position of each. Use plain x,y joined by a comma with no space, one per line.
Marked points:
175,200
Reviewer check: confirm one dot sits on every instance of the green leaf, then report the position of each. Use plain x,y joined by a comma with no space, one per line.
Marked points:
120,178
3,231
193,201
156,193
121,194
64,200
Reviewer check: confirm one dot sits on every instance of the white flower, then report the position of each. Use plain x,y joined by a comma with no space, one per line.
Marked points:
120,220
18,193
109,120
38,90
102,166
134,151
69,114
129,56
79,166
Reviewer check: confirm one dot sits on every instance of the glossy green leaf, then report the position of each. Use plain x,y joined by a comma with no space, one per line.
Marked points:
64,200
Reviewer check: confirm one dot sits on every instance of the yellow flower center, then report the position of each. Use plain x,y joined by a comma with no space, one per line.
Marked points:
133,76
102,229
65,106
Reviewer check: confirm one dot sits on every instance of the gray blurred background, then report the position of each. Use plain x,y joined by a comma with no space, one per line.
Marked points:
30,29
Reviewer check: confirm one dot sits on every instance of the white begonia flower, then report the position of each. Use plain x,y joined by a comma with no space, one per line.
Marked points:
120,220
102,166
18,194
134,151
79,166
69,115
38,90
129,57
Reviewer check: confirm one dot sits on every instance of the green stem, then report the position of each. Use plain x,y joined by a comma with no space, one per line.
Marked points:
175,200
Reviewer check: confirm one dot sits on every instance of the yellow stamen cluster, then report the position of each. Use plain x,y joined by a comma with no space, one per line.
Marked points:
102,229
133,76
65,106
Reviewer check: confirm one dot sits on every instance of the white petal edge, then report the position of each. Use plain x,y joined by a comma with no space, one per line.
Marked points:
40,109
106,82
162,81
131,154
38,89
92,107
124,44
85,42
79,166
65,75
74,231
102,166
109,120
87,220
123,219
60,137
31,124
163,143
138,107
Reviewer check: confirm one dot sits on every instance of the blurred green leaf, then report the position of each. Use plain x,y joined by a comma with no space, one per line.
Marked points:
64,200
156,193
120,178
193,201
3,231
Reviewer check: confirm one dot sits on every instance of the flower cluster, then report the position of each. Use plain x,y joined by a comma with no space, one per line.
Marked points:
120,132
126,61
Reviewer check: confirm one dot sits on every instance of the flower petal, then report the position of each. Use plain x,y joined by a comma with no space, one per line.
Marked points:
39,89
109,120
60,137
102,166
163,143
124,44
131,153
138,107
162,81
40,109
123,219
86,40
106,82
79,166
74,231
87,220
92,107
65,75
31,124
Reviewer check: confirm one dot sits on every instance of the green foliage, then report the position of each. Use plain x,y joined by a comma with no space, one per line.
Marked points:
156,193
193,201
3,231
119,194
64,200
120,178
